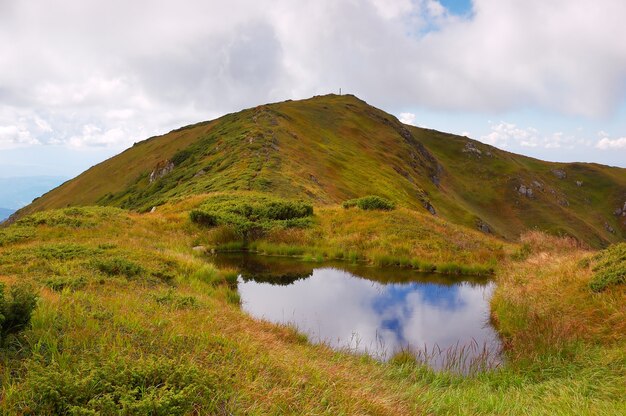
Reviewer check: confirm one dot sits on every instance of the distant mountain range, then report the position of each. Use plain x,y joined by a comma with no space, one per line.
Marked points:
17,192
5,212
333,148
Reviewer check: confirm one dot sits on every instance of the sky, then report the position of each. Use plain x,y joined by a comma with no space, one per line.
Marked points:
82,80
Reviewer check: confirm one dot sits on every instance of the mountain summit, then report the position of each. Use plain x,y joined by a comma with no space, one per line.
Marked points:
328,149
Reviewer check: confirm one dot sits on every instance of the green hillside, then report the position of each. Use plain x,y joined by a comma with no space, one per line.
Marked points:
332,148
124,309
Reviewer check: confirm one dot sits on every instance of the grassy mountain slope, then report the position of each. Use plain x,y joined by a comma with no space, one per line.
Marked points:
132,320
332,148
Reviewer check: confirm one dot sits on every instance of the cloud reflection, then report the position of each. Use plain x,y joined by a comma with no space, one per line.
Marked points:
345,311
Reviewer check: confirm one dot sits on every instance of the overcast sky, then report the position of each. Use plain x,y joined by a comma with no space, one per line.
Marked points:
80,80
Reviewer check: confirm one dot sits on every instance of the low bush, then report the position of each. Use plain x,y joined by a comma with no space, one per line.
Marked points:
176,301
62,251
118,267
87,217
15,234
59,283
609,268
203,218
16,308
370,203
145,386
251,216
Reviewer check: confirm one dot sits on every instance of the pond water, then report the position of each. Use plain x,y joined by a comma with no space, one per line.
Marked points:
443,320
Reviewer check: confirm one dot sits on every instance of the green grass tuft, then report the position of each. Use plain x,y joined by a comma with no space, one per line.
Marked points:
610,268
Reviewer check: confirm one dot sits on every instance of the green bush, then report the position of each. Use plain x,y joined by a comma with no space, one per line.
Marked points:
16,309
62,282
87,217
118,267
171,298
144,386
62,251
609,267
203,218
370,203
251,216
181,156
15,234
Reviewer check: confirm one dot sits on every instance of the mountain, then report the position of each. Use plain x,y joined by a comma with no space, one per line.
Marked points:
5,213
328,149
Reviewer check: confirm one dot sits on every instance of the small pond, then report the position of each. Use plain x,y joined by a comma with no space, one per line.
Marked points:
443,320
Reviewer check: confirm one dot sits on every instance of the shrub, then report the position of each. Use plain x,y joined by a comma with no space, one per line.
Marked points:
609,267
181,156
59,283
144,386
15,234
369,203
176,301
75,217
16,309
62,251
203,218
251,216
119,267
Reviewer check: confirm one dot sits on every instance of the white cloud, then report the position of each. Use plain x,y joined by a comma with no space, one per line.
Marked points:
12,136
606,143
147,67
407,118
506,135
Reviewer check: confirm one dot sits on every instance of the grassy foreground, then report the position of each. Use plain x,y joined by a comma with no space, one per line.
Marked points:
131,320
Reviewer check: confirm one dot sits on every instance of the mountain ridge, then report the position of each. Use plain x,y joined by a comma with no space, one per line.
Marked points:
327,149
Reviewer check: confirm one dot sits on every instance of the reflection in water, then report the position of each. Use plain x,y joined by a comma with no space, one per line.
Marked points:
345,310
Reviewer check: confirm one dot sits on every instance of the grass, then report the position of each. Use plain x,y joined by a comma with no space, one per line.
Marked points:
182,345
330,149
609,268
398,238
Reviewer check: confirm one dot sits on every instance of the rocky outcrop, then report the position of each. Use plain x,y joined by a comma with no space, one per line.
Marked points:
430,207
483,226
161,169
471,149
527,191
559,173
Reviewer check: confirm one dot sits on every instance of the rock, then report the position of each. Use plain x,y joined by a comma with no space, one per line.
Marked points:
160,170
430,208
526,191
609,228
153,210
314,179
201,172
538,185
617,212
471,148
483,226
559,173
199,249
563,202
579,183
